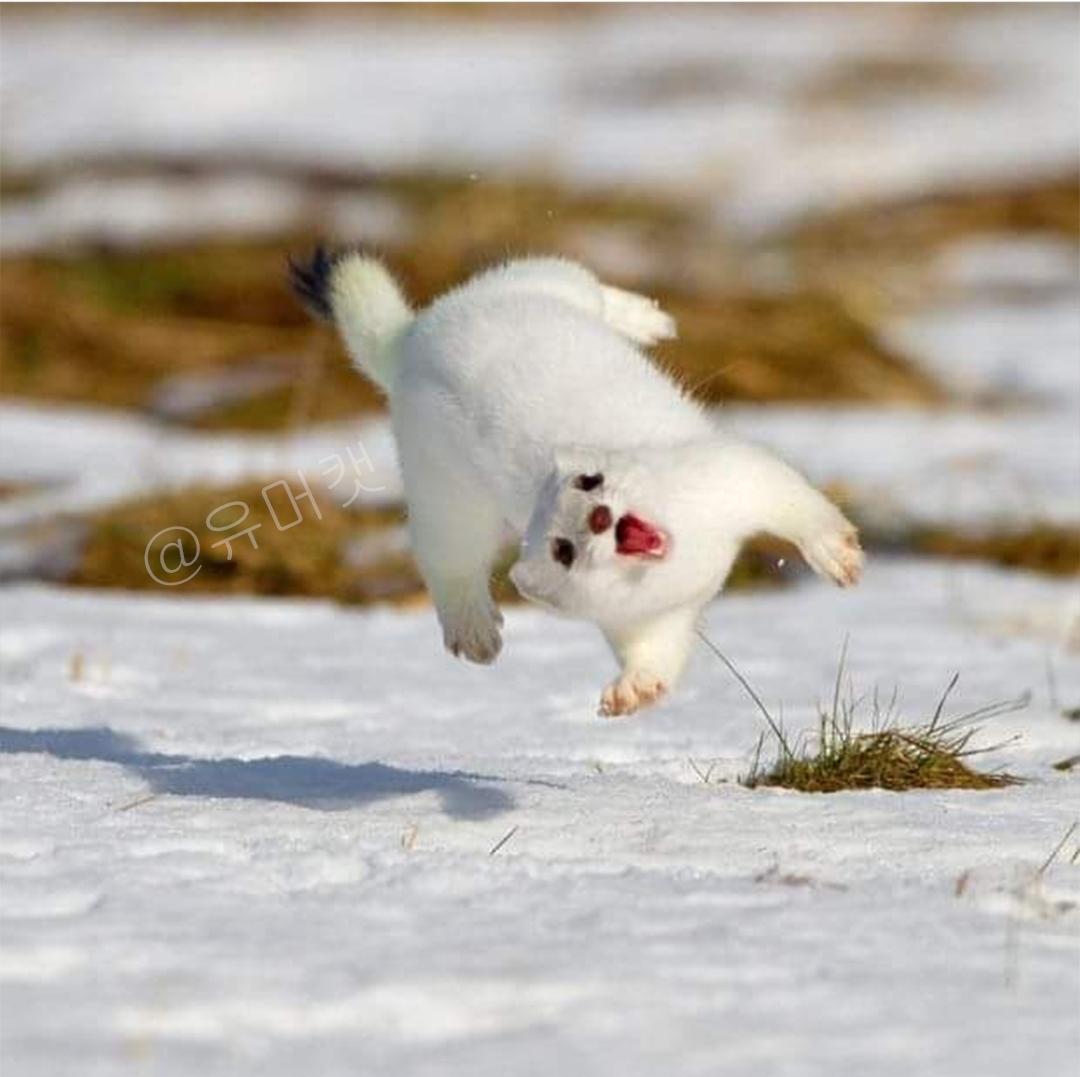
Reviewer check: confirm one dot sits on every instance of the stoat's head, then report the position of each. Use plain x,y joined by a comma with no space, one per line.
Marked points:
594,540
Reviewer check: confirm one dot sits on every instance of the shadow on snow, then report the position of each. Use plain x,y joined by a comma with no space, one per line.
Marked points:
310,782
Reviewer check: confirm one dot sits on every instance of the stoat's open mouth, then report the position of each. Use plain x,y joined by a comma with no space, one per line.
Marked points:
638,537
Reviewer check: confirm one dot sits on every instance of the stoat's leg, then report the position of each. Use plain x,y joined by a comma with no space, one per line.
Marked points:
455,528
652,655
826,538
636,316
765,494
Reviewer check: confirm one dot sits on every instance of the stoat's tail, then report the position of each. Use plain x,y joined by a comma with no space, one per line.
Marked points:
360,297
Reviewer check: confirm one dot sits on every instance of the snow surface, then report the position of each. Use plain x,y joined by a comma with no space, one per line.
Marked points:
967,469
142,210
983,345
714,99
86,458
963,468
253,836
250,836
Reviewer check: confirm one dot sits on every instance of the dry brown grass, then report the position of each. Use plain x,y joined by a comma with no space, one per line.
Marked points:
108,326
796,347
111,329
313,559
879,258
14,489
64,338
309,559
857,79
260,10
932,755
1047,206
1053,551
889,754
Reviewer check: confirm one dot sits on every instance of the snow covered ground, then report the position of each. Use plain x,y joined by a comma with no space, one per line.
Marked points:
243,837
253,836
757,111
79,458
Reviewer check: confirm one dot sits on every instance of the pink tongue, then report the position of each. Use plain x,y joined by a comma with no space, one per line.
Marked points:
636,536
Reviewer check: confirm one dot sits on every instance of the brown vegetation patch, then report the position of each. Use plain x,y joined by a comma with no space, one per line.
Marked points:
264,11
889,754
1049,206
1053,551
862,79
764,562
920,757
797,347
309,559
462,224
108,326
792,346
111,329
879,257
932,754
14,489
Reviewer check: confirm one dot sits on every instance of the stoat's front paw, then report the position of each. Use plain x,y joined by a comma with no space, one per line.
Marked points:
834,552
630,692
471,630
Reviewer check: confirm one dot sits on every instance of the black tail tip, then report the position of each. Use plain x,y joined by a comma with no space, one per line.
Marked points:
310,280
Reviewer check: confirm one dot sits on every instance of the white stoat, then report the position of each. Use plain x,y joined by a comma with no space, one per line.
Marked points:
521,398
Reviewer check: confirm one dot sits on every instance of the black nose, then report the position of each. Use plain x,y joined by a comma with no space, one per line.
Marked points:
589,482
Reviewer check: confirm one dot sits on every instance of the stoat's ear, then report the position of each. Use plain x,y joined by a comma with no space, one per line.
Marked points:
635,537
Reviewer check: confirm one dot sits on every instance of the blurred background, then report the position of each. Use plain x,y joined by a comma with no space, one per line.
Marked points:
865,219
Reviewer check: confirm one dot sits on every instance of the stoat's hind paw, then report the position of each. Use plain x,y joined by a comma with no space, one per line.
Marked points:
636,316
834,552
629,693
471,630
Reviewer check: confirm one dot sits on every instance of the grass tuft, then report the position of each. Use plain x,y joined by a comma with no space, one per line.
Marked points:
889,754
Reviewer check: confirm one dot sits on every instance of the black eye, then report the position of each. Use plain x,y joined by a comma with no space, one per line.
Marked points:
562,550
589,482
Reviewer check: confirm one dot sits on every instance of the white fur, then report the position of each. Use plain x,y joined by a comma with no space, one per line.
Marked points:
370,313
508,388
